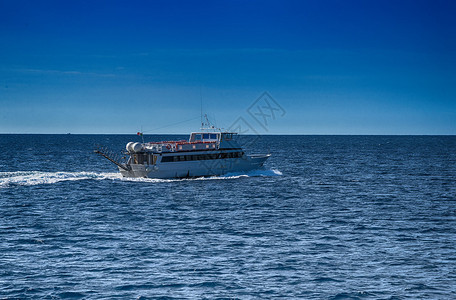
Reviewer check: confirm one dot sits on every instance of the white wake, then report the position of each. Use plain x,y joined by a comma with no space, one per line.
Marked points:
28,178
37,177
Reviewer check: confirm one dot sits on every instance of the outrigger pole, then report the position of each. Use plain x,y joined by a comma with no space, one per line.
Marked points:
111,156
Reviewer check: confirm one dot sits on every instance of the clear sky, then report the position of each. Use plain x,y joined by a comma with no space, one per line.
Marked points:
334,67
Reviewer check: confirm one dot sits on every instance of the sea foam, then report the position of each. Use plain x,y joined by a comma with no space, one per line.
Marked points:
29,178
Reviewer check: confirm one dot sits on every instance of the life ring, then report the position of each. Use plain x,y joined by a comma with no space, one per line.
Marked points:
168,146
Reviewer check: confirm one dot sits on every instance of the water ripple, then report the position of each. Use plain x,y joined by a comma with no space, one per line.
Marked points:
344,218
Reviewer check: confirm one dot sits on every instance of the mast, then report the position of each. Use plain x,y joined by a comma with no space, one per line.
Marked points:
201,106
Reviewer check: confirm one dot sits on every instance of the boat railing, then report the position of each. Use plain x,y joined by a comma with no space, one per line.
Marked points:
176,146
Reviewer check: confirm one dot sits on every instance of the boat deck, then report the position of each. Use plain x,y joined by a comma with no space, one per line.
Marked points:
176,146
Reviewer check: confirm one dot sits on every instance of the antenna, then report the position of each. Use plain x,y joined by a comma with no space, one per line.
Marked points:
201,106
207,125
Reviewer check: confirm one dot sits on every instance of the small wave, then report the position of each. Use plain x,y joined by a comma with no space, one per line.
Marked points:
71,295
28,178
326,279
255,173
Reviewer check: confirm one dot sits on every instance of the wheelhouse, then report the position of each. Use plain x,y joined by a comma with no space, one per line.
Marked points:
204,137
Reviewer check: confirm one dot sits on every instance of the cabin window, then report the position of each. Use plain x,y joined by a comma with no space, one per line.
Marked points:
197,137
167,159
200,157
205,136
141,159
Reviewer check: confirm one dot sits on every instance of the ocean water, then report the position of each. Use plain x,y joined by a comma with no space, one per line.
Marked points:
329,217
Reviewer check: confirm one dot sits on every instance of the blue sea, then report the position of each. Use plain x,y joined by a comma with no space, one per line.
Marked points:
329,217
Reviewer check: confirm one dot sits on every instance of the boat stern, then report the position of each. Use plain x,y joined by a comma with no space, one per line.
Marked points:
135,170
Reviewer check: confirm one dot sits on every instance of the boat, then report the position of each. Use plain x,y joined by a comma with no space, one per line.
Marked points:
203,154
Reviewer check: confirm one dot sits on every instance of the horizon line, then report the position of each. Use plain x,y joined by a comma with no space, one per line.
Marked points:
266,134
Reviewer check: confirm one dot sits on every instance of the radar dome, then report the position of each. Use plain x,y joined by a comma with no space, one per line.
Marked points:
128,147
136,147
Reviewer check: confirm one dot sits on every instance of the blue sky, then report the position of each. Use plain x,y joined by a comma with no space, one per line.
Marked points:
335,67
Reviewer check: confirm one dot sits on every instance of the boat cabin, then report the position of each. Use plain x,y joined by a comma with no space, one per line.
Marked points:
211,136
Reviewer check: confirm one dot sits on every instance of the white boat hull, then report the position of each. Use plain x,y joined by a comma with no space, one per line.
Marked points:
202,168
